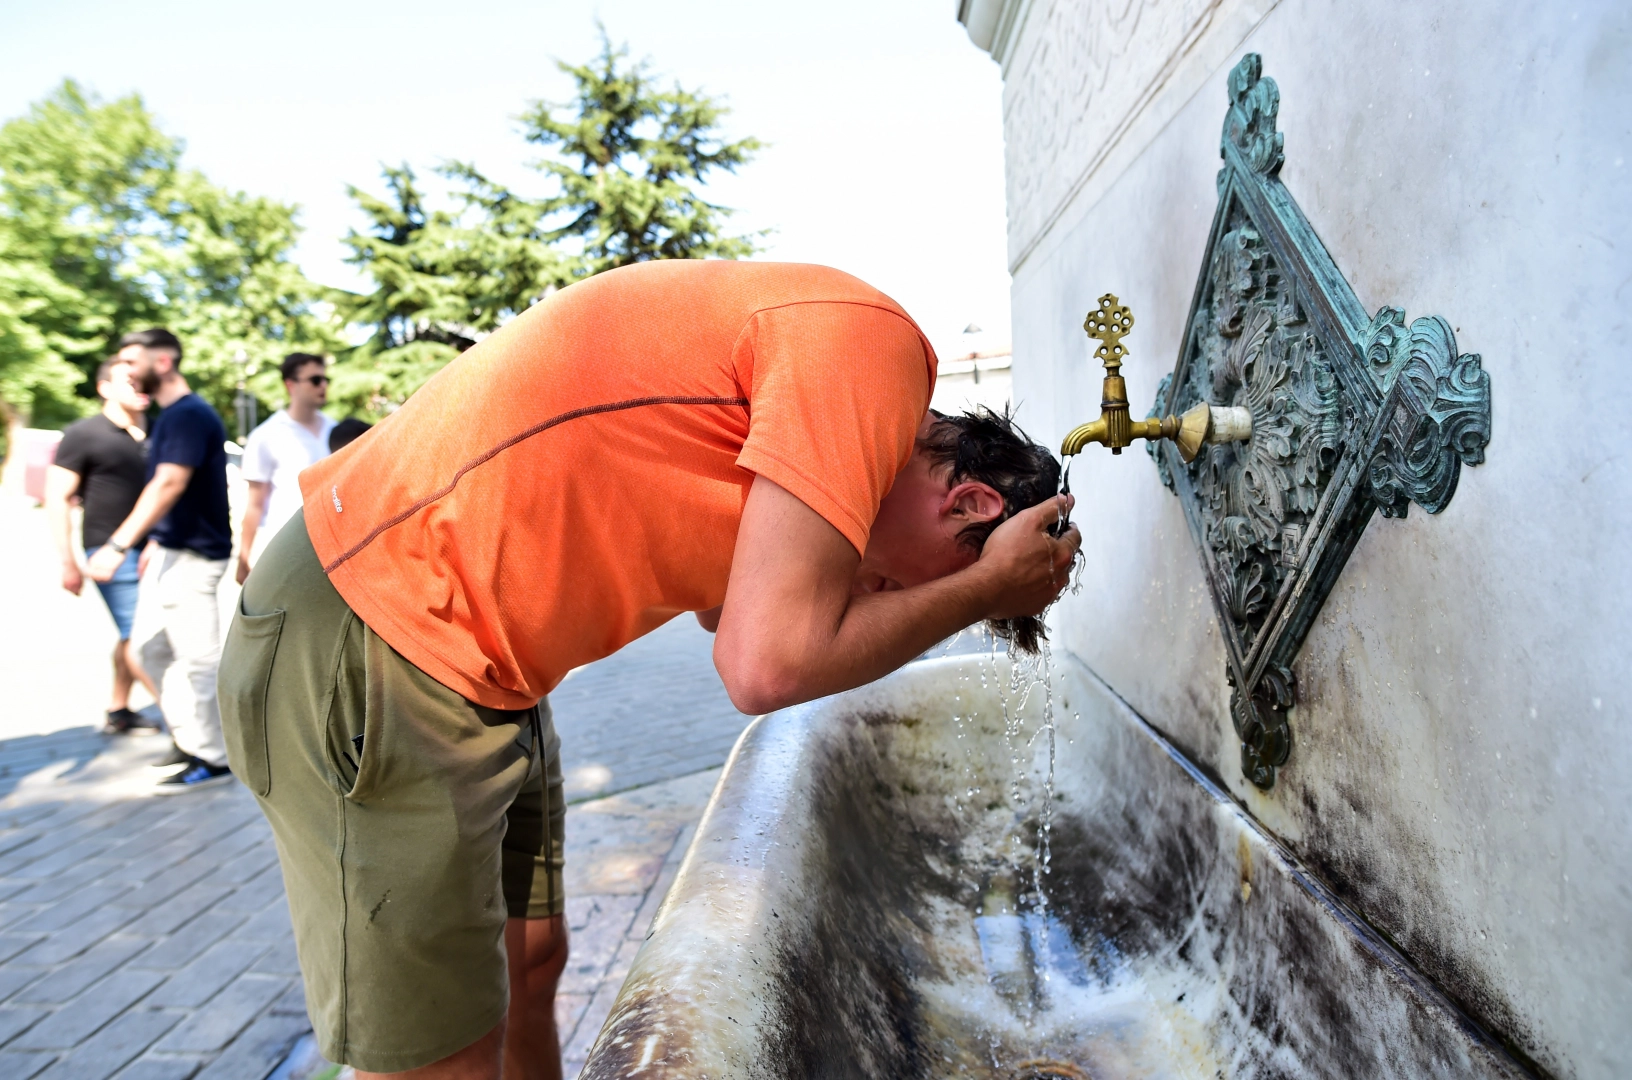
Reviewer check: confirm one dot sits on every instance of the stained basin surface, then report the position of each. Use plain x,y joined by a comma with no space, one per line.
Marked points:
862,899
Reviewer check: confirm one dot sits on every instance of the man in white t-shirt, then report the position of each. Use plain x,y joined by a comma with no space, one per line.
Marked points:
278,450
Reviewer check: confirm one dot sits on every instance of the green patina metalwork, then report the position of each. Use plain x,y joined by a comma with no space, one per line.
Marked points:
1350,416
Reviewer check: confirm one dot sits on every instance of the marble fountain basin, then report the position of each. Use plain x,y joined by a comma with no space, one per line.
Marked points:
860,901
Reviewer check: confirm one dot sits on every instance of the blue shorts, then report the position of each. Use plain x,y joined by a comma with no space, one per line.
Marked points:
120,593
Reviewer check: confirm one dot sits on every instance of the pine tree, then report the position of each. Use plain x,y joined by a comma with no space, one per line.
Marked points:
630,155
629,159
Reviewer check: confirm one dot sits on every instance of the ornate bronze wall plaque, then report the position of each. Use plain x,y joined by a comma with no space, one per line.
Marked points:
1350,415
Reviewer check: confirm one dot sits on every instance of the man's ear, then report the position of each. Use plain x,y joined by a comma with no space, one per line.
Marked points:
972,501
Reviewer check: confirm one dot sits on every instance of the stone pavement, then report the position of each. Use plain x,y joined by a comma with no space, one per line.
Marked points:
148,938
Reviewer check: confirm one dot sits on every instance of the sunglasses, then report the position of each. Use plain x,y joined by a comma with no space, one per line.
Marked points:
315,380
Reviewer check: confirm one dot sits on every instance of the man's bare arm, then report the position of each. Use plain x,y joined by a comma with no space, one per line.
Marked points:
254,511
60,485
790,630
160,494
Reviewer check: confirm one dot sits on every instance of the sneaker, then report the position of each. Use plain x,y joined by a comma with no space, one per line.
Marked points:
197,775
176,756
122,721
147,721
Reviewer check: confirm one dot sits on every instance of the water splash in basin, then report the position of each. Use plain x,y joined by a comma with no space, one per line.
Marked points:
934,877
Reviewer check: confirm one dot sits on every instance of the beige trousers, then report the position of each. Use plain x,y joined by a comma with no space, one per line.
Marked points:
177,633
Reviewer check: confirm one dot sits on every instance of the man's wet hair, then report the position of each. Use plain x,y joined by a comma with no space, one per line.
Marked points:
156,338
296,360
991,448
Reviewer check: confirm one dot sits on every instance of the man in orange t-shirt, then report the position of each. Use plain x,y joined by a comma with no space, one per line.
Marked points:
751,442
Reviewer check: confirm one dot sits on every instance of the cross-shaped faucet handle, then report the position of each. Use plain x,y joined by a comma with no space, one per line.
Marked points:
1110,323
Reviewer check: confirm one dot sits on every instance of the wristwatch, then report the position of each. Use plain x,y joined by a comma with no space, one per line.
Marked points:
117,546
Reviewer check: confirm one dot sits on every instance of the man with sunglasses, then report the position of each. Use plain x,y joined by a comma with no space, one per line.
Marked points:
276,452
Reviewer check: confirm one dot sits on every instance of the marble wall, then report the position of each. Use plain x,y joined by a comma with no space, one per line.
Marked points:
1460,768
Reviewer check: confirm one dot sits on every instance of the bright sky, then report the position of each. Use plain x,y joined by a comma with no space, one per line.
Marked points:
884,121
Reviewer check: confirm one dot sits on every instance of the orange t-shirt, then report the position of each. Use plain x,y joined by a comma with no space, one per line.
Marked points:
577,479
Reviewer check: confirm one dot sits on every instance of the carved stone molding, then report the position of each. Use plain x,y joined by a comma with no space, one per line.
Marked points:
1350,415
1076,75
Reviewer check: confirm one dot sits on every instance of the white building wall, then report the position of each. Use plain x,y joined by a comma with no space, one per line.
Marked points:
1463,742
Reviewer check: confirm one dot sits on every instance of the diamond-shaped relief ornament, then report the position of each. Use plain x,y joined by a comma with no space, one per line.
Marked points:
1350,415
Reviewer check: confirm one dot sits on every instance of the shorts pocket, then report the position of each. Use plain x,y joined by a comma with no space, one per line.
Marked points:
246,674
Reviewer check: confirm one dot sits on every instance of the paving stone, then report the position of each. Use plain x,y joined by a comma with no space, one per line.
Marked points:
110,1049
166,917
23,816
74,976
258,1050
568,1008
255,894
589,1025
154,847
179,949
224,847
72,940
640,926
229,1012
9,888
72,910
218,965
17,1019
12,944
158,888
61,858
77,1019
161,1067
272,924
13,977
244,866
11,914
293,1001
22,1066
69,881
597,925
280,959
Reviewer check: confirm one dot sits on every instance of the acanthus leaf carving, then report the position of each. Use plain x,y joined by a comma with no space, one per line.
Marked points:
1440,419
1345,420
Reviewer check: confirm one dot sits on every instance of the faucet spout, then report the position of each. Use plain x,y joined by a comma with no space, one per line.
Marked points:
1116,428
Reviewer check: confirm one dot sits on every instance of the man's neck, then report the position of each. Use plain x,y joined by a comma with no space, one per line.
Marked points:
119,416
304,415
171,390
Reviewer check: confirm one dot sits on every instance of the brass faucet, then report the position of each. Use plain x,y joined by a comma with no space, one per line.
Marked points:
1204,423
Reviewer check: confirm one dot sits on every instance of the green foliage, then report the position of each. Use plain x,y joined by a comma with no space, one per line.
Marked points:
629,158
103,232
630,153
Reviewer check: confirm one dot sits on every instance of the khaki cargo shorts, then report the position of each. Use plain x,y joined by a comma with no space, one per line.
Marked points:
410,823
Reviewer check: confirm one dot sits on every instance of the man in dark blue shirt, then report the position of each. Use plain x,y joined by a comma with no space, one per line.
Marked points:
183,512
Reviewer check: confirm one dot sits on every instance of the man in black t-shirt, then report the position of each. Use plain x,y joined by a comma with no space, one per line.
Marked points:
100,459
183,512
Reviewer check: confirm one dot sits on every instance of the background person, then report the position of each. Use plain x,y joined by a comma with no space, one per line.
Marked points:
291,439
101,460
346,432
748,441
183,512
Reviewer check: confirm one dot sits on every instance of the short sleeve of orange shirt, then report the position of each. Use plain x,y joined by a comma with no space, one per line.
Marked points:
577,479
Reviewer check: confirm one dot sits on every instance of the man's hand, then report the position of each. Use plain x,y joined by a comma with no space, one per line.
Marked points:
73,579
792,628
160,494
1030,566
146,557
242,571
105,563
